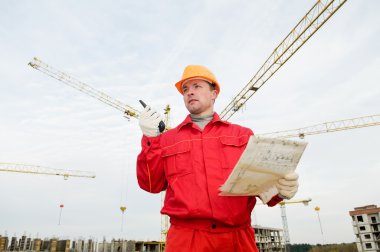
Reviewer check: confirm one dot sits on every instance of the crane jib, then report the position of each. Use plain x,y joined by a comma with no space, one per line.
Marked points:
127,110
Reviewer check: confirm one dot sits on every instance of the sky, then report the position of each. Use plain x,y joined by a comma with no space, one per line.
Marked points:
135,50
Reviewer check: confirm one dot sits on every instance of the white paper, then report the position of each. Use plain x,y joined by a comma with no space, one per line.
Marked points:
262,163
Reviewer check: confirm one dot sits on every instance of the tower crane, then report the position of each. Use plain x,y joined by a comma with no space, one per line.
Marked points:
36,169
284,219
306,27
353,123
103,97
317,209
164,217
167,117
333,126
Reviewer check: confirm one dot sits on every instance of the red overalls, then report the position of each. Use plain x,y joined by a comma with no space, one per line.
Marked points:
192,165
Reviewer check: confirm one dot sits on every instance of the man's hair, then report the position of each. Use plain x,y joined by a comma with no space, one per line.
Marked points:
212,85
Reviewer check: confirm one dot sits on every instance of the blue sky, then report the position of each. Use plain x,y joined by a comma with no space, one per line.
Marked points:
138,50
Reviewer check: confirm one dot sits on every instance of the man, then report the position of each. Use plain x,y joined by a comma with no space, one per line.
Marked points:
191,162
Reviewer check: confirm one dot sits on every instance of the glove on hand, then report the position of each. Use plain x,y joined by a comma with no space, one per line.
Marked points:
148,121
288,185
268,194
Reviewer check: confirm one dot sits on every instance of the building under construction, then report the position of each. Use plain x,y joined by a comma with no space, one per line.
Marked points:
29,244
267,239
366,224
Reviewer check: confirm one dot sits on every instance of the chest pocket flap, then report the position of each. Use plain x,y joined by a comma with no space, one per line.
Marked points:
234,141
177,148
232,147
177,159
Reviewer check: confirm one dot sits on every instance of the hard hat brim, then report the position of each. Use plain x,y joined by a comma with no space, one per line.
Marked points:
178,85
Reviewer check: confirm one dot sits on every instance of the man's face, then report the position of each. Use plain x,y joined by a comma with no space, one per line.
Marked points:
198,96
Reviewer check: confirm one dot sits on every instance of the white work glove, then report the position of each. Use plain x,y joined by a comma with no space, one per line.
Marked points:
288,185
267,195
148,121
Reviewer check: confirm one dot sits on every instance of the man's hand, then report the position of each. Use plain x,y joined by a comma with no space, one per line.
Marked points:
288,185
148,121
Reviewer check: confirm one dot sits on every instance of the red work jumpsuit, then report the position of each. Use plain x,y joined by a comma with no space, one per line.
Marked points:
192,165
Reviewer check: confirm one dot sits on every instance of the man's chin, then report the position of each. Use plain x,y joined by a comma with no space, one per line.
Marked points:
195,112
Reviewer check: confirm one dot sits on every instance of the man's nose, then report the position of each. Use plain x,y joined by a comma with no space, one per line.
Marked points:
190,91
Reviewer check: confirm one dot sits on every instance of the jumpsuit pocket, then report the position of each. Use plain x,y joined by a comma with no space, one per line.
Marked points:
177,159
232,147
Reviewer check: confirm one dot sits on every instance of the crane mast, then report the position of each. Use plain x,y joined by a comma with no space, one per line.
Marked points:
83,87
284,218
167,117
164,217
36,169
353,123
306,27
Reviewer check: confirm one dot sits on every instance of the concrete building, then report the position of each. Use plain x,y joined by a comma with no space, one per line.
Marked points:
3,243
36,245
63,246
14,244
28,245
130,246
366,225
49,245
269,239
84,246
22,243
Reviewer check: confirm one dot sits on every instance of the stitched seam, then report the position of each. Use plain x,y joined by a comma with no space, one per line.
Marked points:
198,139
150,181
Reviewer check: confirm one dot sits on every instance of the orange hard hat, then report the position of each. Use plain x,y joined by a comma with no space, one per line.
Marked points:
199,72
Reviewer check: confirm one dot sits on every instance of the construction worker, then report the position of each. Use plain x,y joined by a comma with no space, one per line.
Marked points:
191,162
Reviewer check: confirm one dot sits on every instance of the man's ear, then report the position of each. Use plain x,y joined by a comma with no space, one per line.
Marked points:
214,95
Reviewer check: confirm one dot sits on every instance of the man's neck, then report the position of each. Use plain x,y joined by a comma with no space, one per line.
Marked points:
201,120
207,112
